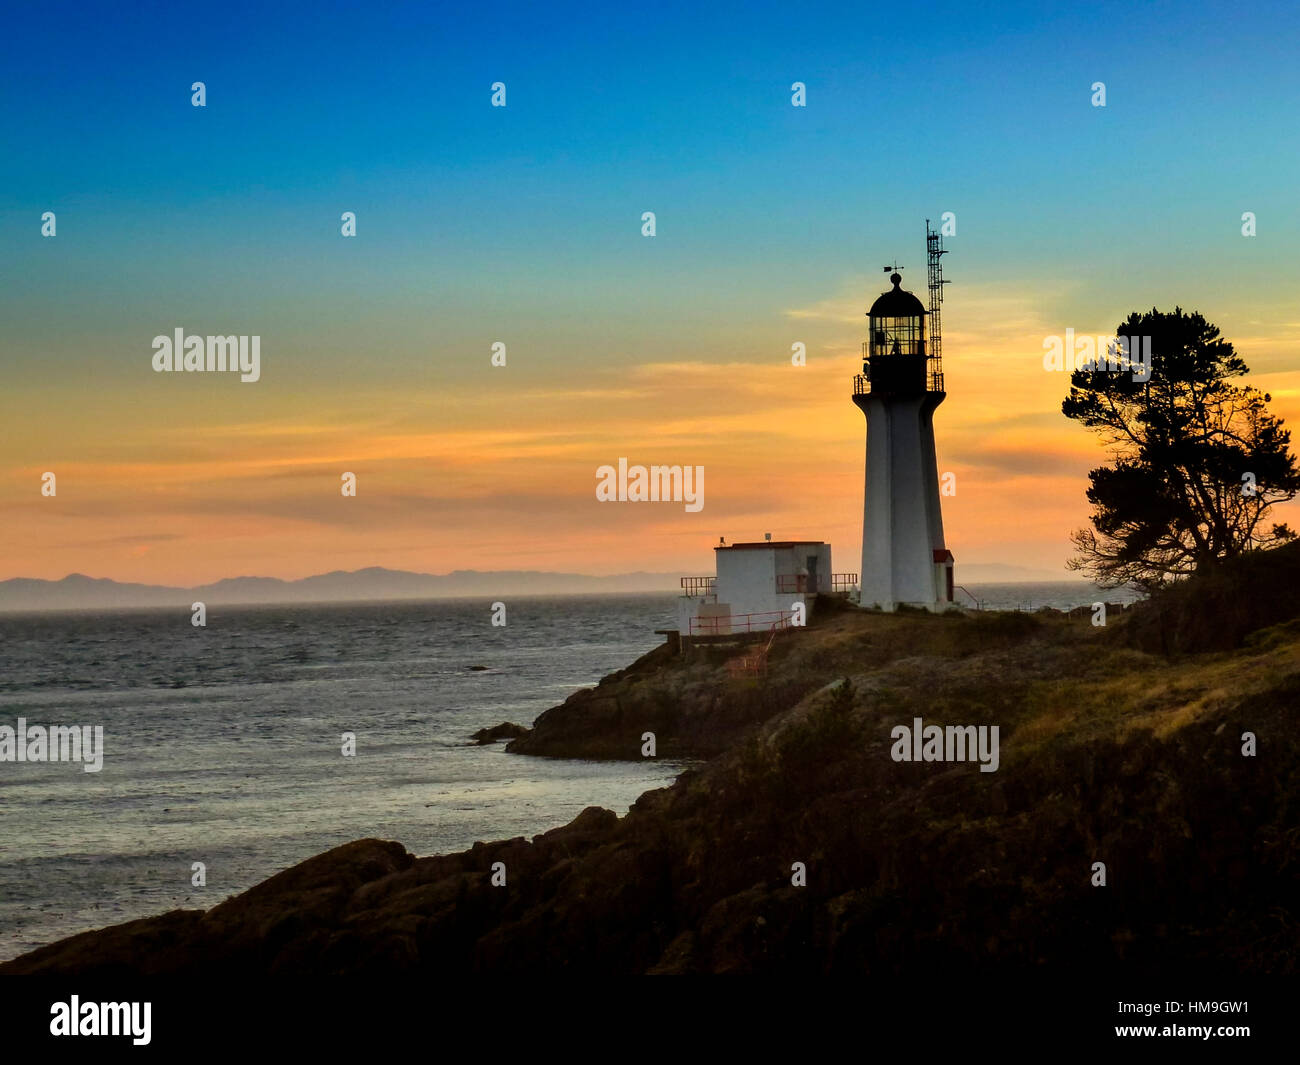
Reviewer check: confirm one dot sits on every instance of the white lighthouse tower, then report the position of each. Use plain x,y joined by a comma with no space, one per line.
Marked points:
904,557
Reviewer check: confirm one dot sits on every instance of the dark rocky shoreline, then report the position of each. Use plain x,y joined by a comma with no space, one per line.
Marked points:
1112,751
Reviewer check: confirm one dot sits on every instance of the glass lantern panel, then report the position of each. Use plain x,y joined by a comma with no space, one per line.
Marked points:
897,336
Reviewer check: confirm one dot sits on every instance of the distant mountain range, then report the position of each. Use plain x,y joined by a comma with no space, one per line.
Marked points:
79,592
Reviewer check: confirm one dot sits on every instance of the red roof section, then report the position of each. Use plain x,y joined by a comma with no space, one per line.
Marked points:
772,543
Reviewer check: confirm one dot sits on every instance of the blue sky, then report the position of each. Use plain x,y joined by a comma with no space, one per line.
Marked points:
681,109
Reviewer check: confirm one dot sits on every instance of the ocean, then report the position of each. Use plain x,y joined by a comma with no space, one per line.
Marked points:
222,744
1059,595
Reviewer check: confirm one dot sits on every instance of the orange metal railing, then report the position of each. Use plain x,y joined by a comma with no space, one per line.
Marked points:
753,663
735,624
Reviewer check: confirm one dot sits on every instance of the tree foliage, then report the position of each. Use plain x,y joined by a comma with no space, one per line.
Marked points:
1197,460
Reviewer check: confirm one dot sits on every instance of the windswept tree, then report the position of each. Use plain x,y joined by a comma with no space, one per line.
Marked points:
1197,460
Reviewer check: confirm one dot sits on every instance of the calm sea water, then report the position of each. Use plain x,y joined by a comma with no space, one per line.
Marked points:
1059,595
222,744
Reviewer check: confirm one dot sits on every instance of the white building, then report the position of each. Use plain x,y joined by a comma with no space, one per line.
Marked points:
756,588
904,558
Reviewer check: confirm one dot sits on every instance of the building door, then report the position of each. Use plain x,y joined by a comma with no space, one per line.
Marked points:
812,575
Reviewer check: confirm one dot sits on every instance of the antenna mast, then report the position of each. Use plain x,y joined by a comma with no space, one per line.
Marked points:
934,274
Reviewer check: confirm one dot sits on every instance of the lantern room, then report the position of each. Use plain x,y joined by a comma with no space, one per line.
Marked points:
897,323
894,355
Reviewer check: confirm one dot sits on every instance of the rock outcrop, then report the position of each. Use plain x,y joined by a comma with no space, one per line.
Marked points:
507,730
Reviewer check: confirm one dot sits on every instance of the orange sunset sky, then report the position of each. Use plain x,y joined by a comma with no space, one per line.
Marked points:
188,479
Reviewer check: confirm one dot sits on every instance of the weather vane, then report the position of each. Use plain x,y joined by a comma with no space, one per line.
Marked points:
892,269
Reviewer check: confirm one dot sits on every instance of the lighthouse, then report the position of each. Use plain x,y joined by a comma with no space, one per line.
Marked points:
904,558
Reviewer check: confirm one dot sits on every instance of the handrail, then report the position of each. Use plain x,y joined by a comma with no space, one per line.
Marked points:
753,662
715,626
791,583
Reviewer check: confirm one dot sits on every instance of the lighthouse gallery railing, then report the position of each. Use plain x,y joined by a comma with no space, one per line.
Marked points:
862,383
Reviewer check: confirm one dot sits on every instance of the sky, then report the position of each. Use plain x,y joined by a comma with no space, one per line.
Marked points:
522,225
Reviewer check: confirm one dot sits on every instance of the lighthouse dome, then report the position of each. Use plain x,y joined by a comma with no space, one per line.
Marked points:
897,303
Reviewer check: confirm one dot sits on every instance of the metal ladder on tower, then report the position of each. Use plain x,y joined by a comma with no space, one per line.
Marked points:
934,251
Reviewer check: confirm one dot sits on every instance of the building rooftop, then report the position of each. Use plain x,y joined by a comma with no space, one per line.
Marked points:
770,543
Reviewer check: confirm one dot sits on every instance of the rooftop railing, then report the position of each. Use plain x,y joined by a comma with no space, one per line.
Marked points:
791,583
